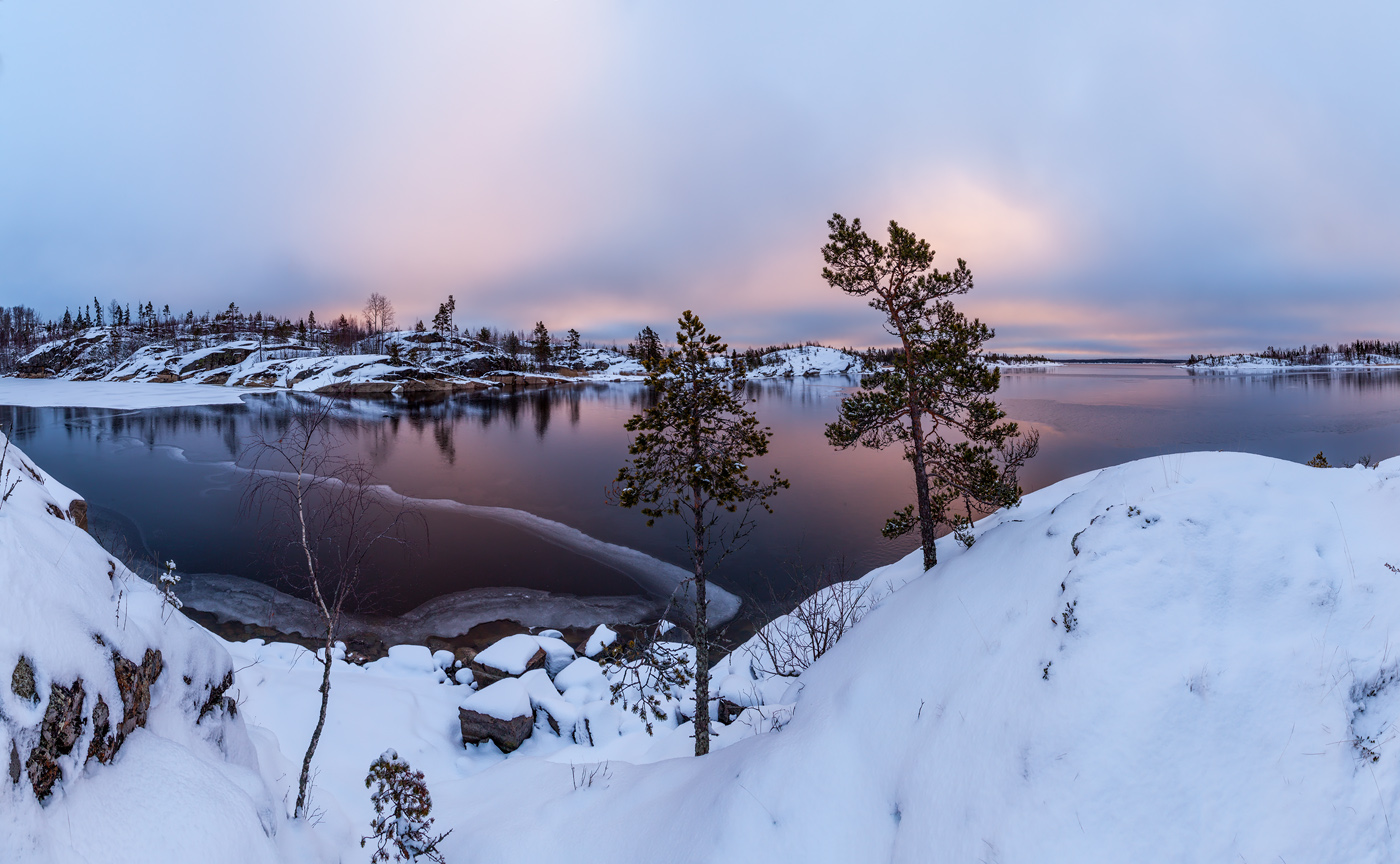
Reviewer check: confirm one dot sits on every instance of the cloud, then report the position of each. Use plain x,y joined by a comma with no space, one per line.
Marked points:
1121,179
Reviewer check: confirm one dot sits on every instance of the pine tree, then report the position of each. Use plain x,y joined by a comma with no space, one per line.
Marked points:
689,455
573,346
511,344
936,396
401,823
648,348
97,307
540,348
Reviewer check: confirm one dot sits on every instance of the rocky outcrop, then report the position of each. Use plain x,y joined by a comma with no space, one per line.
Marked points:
64,721
61,728
78,513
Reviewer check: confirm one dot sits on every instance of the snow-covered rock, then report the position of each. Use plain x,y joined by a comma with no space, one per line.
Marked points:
500,713
513,655
602,637
117,724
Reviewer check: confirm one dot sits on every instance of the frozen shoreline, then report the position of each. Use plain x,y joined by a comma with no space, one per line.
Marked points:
244,601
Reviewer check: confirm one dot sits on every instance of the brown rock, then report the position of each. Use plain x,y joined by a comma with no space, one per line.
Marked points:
62,726
728,711
78,513
478,728
134,682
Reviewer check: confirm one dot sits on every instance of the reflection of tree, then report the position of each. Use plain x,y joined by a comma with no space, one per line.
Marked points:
541,403
446,444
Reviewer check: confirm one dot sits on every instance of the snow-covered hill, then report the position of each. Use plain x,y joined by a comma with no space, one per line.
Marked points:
120,733
403,362
806,361
1181,658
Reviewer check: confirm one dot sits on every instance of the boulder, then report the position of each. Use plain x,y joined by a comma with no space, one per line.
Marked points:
500,713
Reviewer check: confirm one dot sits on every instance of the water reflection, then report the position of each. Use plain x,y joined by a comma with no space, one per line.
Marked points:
553,453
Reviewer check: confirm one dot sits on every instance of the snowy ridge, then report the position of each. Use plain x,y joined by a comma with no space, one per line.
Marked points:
1256,363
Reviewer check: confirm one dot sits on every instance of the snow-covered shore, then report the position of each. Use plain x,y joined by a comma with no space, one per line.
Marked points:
1255,363
1180,658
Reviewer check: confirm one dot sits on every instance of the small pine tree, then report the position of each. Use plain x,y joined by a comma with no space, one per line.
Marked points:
540,348
511,344
1319,461
573,345
401,827
648,348
689,459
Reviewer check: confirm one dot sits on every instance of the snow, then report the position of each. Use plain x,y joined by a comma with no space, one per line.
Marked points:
122,395
511,654
504,700
602,637
182,781
1180,658
1256,363
806,361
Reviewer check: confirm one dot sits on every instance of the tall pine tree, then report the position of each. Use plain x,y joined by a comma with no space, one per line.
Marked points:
689,455
935,398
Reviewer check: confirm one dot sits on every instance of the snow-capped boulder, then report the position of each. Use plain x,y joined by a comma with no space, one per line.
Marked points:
603,636
513,655
500,713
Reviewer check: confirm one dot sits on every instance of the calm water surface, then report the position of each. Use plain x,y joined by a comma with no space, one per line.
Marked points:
165,478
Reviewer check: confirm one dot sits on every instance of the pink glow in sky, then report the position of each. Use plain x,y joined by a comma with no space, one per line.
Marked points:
1123,179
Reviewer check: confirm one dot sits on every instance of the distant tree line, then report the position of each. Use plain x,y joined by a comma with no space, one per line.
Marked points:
1317,355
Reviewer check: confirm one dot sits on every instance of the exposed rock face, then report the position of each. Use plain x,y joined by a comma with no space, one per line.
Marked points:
217,699
478,728
22,680
135,682
62,726
64,722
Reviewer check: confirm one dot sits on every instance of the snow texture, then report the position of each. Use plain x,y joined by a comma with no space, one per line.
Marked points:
1181,658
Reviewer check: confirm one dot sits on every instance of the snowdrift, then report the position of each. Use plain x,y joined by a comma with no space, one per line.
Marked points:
1182,658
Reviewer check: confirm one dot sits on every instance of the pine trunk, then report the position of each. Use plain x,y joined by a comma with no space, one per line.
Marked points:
702,640
927,518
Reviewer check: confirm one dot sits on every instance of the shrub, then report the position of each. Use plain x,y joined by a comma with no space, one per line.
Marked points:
401,824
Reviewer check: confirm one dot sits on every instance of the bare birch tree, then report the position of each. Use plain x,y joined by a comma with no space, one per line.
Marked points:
328,516
379,316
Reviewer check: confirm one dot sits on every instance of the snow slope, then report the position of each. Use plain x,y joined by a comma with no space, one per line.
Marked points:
1181,658
1225,675
149,760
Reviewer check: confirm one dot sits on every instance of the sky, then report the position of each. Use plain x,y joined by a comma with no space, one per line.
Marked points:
1143,179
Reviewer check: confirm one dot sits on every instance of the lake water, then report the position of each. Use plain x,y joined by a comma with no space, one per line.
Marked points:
165,477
